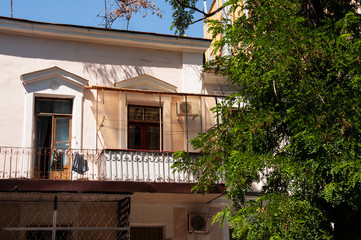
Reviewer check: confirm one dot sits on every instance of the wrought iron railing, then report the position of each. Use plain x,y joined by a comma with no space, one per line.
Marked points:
89,164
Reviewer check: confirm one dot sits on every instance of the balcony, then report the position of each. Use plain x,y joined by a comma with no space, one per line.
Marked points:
90,165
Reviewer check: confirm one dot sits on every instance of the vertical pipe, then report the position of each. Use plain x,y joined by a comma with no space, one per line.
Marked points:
201,112
217,111
96,122
161,136
160,123
11,4
126,129
185,98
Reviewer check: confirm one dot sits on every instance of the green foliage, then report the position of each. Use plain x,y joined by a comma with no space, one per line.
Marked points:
300,75
182,14
278,217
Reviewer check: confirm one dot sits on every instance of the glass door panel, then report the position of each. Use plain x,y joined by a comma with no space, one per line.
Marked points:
62,133
153,137
60,160
135,137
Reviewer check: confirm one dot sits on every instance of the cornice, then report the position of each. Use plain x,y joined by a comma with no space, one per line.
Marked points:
102,36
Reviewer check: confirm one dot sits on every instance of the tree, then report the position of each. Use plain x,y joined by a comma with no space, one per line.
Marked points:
125,9
298,69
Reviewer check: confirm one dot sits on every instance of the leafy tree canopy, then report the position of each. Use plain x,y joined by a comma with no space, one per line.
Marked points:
297,66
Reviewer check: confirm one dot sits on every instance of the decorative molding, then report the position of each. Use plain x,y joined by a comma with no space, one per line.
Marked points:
146,82
53,74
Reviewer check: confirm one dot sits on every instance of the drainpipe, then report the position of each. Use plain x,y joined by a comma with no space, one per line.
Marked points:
217,113
96,122
160,123
185,98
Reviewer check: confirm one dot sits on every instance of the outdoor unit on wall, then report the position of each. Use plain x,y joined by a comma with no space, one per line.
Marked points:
187,108
197,222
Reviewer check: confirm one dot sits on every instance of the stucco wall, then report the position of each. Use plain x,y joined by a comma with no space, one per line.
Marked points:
174,220
99,64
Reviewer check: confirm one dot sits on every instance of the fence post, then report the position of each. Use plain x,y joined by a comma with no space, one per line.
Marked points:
53,235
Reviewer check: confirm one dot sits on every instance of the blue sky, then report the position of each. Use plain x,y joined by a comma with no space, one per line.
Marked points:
85,13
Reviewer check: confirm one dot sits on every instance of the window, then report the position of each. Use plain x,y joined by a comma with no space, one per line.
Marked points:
53,120
146,233
144,127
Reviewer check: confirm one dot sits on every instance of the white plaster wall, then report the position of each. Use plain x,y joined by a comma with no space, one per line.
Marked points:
89,120
101,65
192,77
175,227
153,215
11,103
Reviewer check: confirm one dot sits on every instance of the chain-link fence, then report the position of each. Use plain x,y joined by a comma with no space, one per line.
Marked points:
64,216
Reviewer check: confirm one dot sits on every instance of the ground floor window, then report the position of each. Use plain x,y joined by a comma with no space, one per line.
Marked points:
144,127
146,233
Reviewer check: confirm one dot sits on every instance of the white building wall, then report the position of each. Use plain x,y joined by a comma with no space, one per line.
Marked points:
173,218
100,64
192,69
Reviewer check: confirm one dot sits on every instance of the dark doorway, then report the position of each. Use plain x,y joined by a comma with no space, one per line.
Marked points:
52,133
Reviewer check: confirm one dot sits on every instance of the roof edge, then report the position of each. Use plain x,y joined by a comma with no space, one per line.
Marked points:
102,36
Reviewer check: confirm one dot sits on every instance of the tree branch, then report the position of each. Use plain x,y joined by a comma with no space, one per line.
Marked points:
206,15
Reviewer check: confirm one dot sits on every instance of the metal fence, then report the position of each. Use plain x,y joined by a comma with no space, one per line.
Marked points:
64,216
88,164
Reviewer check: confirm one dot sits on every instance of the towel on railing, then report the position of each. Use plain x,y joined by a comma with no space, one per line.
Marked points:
57,161
80,165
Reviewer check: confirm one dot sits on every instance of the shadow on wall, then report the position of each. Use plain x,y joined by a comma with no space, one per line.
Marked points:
107,75
53,49
108,63
104,108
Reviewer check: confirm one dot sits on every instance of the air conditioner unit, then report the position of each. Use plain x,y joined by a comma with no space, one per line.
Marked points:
197,222
187,108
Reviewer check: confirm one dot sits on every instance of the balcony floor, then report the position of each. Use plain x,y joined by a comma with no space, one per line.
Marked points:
36,185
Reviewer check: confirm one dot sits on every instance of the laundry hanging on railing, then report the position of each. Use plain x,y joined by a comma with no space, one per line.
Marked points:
57,160
80,165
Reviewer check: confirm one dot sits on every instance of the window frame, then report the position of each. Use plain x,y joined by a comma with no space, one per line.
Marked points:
144,125
54,116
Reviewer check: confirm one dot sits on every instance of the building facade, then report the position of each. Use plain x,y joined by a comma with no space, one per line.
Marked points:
90,121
